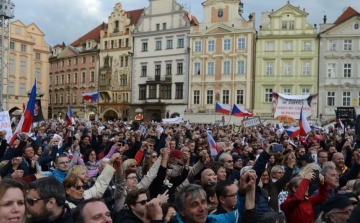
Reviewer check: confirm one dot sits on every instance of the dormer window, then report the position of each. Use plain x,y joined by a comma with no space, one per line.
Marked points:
356,26
89,44
116,28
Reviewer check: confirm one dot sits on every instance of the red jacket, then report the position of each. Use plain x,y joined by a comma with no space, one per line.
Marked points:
299,209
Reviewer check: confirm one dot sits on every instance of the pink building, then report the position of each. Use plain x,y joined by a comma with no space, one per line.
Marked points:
74,71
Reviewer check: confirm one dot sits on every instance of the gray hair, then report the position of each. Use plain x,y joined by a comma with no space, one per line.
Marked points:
245,168
326,166
327,215
191,190
222,157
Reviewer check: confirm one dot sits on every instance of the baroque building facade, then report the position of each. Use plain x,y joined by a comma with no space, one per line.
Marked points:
339,67
221,60
286,57
159,83
74,71
115,64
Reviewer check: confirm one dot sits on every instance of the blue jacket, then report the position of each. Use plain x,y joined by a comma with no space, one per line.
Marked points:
220,218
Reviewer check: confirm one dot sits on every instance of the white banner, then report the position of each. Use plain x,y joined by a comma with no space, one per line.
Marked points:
5,125
176,120
251,122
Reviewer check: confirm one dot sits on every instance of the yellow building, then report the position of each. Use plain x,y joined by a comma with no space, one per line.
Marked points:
286,57
28,60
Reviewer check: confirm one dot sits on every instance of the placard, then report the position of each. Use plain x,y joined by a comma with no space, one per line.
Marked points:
251,122
5,125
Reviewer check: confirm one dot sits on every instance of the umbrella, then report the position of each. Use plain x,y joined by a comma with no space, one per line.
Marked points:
285,118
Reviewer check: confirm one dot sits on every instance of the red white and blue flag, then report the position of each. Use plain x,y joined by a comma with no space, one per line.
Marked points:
214,148
293,132
69,118
240,112
91,96
18,128
29,111
223,109
304,124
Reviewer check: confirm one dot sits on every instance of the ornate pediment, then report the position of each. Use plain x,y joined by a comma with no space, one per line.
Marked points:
218,31
347,85
347,56
332,56
331,85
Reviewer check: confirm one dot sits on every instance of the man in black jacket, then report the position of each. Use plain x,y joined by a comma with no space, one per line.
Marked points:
228,161
45,202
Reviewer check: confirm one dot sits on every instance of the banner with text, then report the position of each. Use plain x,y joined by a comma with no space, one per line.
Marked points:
287,108
251,122
5,124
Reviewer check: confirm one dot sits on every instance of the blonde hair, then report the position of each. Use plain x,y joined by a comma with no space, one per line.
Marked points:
350,184
308,168
77,169
276,169
127,163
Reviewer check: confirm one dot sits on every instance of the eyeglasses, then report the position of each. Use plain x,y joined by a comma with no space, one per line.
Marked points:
62,163
231,196
229,161
120,144
154,156
79,187
348,212
280,172
133,166
151,145
132,178
143,202
31,202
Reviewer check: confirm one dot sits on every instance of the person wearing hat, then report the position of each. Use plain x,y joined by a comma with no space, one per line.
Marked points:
337,209
306,159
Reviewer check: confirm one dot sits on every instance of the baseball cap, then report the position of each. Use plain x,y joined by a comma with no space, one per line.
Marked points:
339,201
175,153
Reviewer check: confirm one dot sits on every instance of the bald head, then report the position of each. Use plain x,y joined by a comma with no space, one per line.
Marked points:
338,159
208,175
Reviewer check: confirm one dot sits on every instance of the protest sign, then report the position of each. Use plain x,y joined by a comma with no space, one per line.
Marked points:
176,120
287,108
251,122
5,124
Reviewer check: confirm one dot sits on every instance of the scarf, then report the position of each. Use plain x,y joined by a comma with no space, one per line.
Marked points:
92,165
75,202
59,175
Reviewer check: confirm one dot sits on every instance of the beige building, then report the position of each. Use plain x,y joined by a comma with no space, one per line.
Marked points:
221,60
116,49
28,60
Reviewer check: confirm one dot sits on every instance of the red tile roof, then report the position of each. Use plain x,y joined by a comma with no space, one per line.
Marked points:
193,18
348,13
93,34
59,46
135,15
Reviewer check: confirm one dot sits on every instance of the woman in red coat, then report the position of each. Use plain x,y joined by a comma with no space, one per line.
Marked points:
298,208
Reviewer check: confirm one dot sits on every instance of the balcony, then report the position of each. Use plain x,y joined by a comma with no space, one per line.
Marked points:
159,78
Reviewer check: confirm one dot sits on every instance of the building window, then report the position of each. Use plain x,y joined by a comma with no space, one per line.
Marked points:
240,97
306,68
12,64
166,92
112,44
105,43
211,45
210,68
347,44
157,26
241,43
283,25
62,63
22,66
180,43
268,94
241,67
127,42
197,68
307,45
12,46
209,97
178,91
291,25
305,91
126,61
69,63
143,71
346,99
225,97
37,56
226,69
287,91
123,80
11,88
180,68
270,46
56,80
168,69
152,91
50,79
23,48
347,70
288,46
269,68
22,91
92,59
196,97
92,76
158,45
75,97
227,44
332,45
331,70
198,46
61,98
157,70
68,79
68,98
83,77
120,43
142,92
287,68
169,44
331,99
75,78
62,79
121,61
38,73
144,47
84,60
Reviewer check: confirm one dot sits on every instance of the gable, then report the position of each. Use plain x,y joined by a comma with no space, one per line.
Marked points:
67,52
18,23
219,30
212,2
33,28
288,8
345,28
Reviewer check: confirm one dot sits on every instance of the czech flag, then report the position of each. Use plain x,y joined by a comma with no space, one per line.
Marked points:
91,96
240,112
304,124
223,109
214,148
69,116
18,128
293,132
29,112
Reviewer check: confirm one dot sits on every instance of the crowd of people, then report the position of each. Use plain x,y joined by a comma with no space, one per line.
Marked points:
154,172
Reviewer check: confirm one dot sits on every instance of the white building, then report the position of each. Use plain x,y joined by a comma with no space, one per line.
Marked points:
339,64
159,83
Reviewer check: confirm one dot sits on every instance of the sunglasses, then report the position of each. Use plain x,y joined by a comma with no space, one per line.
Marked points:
31,202
79,187
155,156
230,161
143,202
133,166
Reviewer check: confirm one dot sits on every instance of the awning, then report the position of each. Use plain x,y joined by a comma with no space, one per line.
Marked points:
106,94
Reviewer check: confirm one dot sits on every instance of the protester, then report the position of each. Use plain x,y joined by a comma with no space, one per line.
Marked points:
12,201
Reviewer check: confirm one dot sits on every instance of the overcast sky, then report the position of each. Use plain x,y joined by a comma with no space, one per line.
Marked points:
67,20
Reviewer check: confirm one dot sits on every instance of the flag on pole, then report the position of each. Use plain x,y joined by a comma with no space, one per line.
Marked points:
18,128
293,131
214,148
223,109
91,96
240,112
69,118
304,124
29,112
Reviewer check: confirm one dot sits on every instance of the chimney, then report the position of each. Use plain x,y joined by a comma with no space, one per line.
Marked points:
325,19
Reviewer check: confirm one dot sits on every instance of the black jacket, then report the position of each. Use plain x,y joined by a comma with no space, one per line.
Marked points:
127,216
65,217
232,175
